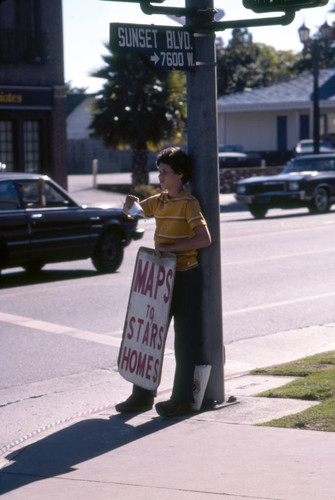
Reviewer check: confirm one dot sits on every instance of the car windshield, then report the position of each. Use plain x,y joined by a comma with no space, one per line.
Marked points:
231,149
310,145
310,165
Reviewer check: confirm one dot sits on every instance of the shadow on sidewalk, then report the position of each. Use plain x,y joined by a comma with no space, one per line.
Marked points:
58,453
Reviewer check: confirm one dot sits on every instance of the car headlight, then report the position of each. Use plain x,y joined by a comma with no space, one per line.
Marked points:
293,186
241,189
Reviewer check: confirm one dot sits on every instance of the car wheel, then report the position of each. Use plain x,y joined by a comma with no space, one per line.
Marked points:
258,211
33,267
108,255
320,203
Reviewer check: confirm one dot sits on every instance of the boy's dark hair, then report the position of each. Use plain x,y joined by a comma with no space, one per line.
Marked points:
178,160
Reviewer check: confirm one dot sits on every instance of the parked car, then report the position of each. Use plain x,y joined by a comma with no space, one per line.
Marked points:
306,146
233,155
231,148
40,223
232,159
307,181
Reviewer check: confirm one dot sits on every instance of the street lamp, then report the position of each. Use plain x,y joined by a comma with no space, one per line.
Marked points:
313,46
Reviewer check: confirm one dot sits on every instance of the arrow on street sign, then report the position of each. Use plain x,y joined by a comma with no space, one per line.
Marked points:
154,59
164,47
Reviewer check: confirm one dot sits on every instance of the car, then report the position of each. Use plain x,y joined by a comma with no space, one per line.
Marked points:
306,146
231,148
40,223
306,181
232,159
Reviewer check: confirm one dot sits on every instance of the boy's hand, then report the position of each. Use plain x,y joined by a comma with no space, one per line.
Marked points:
162,247
130,200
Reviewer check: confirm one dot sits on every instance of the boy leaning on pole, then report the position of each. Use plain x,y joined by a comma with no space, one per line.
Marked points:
180,229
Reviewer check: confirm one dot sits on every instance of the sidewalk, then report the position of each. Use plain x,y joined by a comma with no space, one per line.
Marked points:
214,454
81,187
208,455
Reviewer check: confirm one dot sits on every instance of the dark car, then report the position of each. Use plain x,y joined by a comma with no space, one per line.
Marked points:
40,223
307,181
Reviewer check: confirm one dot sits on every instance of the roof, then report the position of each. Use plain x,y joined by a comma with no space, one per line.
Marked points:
295,92
73,100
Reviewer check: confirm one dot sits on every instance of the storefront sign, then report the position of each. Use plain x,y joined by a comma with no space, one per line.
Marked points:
142,349
25,97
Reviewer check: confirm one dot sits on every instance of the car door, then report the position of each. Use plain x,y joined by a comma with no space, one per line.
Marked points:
59,229
14,227
331,180
326,168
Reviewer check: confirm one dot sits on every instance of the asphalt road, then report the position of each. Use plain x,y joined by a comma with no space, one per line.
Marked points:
60,332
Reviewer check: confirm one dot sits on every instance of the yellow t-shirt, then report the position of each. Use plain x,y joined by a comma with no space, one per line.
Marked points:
175,220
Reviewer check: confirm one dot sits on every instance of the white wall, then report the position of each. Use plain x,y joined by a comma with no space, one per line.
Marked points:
77,123
257,130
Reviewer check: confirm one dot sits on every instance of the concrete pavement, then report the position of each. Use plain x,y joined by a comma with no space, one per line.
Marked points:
214,454
82,189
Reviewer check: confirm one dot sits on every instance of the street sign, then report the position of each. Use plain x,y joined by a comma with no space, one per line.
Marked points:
142,349
275,5
164,47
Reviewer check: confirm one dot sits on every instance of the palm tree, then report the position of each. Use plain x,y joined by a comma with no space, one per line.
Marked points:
138,107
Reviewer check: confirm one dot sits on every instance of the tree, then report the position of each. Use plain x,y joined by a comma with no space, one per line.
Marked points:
244,64
138,107
74,90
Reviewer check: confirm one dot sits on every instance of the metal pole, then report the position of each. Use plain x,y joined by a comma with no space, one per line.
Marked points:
316,105
203,148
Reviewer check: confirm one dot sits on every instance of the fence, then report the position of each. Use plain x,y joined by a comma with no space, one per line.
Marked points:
229,176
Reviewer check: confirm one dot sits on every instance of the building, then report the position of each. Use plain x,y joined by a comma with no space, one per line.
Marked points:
82,148
32,91
268,121
273,119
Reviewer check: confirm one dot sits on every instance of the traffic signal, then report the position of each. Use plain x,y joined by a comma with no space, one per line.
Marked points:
281,5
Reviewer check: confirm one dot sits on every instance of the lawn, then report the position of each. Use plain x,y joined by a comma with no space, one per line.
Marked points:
316,382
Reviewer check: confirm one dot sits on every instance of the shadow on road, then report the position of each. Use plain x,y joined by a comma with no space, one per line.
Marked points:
233,207
22,278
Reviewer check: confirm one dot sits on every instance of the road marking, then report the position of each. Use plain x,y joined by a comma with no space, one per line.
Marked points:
278,304
276,257
99,338
280,231
113,339
35,324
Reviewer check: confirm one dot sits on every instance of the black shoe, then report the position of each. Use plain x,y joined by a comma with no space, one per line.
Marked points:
135,404
172,408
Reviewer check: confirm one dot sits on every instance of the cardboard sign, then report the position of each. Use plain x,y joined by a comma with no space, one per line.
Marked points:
141,353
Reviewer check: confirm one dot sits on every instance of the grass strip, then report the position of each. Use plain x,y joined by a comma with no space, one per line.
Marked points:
316,383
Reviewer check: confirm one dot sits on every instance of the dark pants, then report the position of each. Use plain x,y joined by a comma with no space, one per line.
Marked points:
185,309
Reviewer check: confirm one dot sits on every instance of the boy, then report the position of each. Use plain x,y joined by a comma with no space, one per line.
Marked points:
180,229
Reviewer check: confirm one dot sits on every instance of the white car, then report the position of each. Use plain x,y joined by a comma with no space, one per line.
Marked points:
232,159
306,147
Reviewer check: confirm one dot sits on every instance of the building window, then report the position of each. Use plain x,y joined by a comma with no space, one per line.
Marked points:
7,144
32,146
21,36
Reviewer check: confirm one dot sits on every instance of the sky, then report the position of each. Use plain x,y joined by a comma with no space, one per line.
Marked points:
86,29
